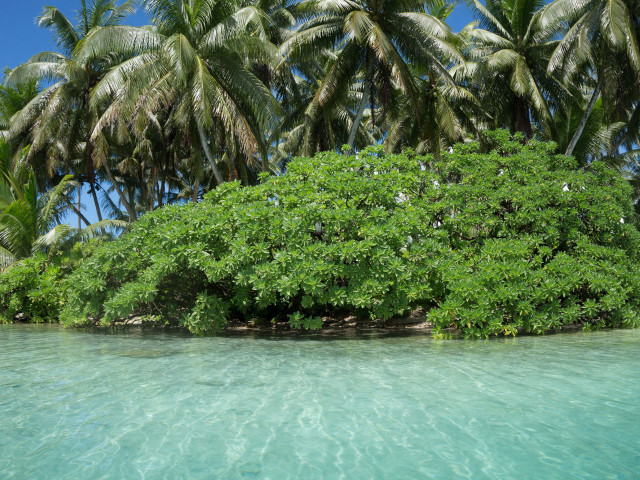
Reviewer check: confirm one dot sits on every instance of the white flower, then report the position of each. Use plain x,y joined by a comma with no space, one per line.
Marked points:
565,187
423,167
436,184
450,149
622,220
401,198
437,225
501,172
410,240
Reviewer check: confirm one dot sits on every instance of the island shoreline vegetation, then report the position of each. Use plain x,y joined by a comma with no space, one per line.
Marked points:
282,162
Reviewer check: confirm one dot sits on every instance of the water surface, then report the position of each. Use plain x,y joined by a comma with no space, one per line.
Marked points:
133,405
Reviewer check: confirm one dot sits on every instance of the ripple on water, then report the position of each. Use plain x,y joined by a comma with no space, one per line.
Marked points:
79,405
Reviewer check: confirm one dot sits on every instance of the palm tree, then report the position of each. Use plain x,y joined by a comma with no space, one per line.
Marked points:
602,40
307,127
446,112
513,51
280,17
597,137
446,115
30,222
60,118
376,42
14,99
190,66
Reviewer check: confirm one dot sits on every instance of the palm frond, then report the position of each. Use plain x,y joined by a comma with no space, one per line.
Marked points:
62,30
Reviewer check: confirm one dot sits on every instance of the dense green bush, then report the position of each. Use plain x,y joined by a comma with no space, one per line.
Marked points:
518,239
31,289
34,287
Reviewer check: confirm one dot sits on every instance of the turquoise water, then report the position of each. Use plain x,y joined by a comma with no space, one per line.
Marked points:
132,405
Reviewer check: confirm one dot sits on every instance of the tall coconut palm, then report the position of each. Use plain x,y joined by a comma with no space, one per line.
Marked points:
602,40
190,65
377,41
597,138
12,100
281,78
513,51
446,111
60,118
307,127
445,115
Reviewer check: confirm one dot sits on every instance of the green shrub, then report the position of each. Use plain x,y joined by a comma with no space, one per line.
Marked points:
32,289
34,286
517,239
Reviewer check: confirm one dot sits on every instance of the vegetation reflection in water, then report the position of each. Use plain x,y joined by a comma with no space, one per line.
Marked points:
137,405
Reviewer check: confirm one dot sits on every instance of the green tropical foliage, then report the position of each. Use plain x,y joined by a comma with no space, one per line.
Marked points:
31,222
59,119
34,287
214,91
512,52
516,239
217,96
191,63
600,45
12,100
377,41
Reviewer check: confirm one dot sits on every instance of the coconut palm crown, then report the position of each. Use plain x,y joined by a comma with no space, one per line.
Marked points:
513,50
60,118
191,65
376,40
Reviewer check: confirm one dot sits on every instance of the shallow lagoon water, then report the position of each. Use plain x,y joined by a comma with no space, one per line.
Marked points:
142,405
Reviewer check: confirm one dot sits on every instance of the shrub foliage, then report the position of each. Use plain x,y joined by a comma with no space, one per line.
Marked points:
35,288
514,240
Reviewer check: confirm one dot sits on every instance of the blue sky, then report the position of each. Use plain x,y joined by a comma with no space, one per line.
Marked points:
21,38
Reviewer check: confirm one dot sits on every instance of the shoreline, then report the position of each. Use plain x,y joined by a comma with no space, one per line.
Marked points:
347,327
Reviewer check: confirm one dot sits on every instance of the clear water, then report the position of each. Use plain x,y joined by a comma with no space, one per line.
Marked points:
138,405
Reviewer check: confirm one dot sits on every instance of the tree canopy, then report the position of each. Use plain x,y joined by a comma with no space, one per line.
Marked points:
215,95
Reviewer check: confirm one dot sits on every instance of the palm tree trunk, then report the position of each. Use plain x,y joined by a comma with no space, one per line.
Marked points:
131,191
144,191
232,165
583,121
79,206
209,155
363,104
523,121
79,213
196,187
244,176
437,148
130,211
264,158
95,200
91,170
